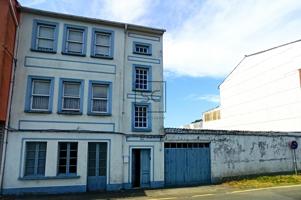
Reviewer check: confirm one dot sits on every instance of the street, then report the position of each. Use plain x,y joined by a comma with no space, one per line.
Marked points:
218,192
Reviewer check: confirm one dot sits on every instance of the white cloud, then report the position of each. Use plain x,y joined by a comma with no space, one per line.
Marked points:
211,42
130,11
204,38
212,98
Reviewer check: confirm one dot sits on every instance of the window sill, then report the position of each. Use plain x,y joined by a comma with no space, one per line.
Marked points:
144,54
43,51
99,114
69,113
141,90
49,177
73,54
102,57
141,129
38,111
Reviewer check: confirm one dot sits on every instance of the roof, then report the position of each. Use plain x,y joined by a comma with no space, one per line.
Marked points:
94,20
257,53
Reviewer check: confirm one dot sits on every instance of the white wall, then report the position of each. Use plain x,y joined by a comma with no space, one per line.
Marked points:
30,63
263,93
235,154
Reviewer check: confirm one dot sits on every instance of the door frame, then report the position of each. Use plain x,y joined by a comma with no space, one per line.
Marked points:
108,159
152,161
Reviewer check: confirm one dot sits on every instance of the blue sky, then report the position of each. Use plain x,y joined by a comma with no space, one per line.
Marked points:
205,39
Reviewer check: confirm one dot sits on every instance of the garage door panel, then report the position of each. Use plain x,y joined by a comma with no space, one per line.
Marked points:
187,164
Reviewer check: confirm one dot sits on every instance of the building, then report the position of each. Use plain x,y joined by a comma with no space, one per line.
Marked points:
84,112
262,93
9,20
196,124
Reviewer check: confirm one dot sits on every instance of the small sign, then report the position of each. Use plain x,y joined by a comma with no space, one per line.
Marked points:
294,144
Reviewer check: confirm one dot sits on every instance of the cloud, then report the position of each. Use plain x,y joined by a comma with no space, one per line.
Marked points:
203,38
215,38
212,98
130,11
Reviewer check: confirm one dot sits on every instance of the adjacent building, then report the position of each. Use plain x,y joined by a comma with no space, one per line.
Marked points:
262,93
196,124
9,20
87,106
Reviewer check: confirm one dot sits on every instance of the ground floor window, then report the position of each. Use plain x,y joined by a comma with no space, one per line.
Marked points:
67,164
35,158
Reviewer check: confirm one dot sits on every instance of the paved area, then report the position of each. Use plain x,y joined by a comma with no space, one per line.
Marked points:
219,192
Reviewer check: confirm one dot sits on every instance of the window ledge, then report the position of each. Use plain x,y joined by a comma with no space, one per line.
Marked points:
69,113
141,129
103,57
49,177
141,90
73,54
43,51
38,111
99,114
144,54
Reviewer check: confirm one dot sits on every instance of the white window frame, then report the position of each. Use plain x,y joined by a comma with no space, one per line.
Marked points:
39,95
71,97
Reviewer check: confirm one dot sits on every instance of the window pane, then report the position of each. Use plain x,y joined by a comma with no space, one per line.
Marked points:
75,35
103,39
46,32
41,87
71,89
100,105
100,91
74,47
71,103
39,102
99,50
44,44
72,169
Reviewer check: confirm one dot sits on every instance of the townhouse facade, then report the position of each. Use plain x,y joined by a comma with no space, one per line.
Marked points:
86,106
262,93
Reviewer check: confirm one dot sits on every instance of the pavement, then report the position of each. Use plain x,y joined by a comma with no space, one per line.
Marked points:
213,192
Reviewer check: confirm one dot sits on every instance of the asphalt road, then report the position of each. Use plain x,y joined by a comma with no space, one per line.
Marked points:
194,193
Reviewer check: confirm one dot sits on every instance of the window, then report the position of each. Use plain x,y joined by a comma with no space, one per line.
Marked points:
44,36
71,96
39,94
35,159
142,48
67,164
142,78
75,38
102,43
100,98
141,117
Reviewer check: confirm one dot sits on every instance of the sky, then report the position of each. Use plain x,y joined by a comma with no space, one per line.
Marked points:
205,39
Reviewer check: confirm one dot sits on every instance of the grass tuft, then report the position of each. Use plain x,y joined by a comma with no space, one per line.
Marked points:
265,181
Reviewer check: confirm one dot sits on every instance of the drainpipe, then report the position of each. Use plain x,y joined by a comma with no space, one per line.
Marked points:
12,78
123,101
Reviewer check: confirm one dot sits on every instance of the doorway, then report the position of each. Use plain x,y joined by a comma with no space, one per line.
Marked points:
141,168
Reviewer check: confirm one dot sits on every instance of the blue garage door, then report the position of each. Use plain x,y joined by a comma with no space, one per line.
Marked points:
187,164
